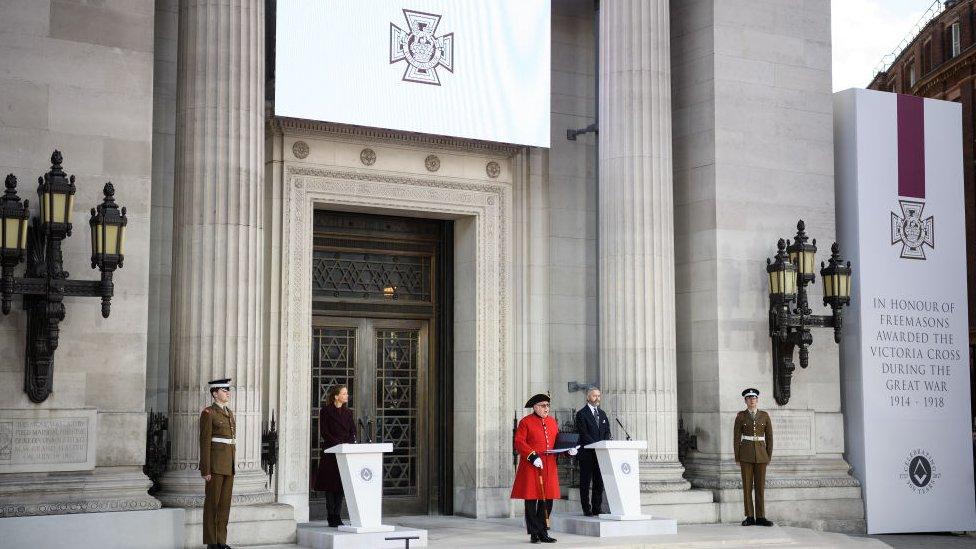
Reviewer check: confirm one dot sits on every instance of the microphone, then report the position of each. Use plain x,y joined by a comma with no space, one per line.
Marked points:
622,426
362,428
369,423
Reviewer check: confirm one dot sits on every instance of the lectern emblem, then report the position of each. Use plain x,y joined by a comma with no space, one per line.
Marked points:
912,230
366,474
625,468
418,46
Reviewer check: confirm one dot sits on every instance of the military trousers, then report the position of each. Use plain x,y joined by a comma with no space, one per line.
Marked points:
216,508
753,479
536,511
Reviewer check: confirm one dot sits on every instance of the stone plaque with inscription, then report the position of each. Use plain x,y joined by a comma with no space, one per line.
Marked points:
793,432
44,440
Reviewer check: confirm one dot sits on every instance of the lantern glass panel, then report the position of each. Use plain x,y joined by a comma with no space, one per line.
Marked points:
11,233
56,207
845,285
106,238
808,266
790,285
774,286
829,285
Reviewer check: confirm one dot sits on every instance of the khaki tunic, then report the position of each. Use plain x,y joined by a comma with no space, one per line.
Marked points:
753,451
216,458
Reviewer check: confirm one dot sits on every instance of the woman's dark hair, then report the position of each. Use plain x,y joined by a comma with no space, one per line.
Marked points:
330,397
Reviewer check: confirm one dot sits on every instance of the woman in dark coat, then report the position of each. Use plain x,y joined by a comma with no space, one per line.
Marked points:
336,426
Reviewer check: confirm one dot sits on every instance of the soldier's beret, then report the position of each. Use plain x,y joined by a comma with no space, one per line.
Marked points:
750,392
537,399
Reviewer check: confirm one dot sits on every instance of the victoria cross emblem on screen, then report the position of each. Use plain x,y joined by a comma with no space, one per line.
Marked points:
420,48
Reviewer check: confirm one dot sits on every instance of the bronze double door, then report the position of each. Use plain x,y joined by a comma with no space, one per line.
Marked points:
384,363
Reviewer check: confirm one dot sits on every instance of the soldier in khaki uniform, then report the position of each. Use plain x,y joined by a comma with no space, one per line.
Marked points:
217,430
753,443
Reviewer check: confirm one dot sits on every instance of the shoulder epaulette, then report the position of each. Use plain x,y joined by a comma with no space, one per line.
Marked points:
206,410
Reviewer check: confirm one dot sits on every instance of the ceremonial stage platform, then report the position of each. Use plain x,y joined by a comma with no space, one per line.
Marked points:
460,532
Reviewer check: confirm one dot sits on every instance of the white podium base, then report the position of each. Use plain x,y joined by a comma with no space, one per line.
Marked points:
593,526
366,529
610,516
315,535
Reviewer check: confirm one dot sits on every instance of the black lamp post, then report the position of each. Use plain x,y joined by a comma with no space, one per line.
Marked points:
789,275
46,283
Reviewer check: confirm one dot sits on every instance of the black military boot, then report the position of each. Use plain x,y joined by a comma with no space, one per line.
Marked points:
534,538
749,521
762,521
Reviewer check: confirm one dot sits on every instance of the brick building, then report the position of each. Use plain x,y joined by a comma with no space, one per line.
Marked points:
940,62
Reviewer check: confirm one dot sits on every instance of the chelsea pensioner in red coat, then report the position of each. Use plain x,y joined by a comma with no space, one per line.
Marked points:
536,435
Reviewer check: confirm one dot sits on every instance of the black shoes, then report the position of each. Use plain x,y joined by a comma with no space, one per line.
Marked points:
762,521
749,521
547,539
534,538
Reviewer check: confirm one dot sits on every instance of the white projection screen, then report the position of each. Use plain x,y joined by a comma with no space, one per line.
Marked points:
476,69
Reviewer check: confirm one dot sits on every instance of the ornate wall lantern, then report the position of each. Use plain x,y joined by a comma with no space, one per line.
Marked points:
790,317
46,283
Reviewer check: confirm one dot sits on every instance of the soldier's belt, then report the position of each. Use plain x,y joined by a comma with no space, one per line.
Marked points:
747,437
222,440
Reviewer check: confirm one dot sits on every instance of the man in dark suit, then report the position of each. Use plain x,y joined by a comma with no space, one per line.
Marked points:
592,425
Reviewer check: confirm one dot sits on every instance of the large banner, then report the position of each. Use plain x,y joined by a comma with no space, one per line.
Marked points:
904,354
466,68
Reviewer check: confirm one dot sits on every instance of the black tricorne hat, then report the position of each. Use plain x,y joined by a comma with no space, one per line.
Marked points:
537,399
750,392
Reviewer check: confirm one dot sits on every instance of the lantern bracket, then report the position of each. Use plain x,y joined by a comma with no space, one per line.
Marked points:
790,319
44,287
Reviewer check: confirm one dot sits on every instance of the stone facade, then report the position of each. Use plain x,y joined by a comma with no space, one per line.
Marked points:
753,153
561,275
78,77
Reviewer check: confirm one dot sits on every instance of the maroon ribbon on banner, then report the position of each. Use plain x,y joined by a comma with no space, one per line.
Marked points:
911,146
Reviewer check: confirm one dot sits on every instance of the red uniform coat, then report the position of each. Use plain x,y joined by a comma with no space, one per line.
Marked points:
535,434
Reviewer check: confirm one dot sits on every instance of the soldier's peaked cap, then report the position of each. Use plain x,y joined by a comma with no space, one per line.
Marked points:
750,392
220,383
537,399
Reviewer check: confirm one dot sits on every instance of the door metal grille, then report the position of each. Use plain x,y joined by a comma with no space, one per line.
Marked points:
397,407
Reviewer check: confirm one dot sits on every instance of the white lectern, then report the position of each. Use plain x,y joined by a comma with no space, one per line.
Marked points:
619,467
620,470
361,469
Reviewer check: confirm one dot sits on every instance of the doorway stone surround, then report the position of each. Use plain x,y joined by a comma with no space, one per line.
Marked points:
313,165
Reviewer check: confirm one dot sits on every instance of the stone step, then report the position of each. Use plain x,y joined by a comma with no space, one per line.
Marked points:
684,496
685,506
268,524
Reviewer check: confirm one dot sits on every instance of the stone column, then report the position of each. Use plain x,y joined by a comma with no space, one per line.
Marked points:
636,234
218,253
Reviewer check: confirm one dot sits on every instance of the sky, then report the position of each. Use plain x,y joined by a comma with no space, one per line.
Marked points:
863,31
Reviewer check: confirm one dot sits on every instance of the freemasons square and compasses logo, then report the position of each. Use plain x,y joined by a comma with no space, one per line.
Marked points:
420,48
911,230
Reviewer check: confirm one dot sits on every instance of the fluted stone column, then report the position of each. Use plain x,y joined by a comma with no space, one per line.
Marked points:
217,239
636,235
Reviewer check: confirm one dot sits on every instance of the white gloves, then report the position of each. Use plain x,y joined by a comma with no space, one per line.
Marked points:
573,451
537,462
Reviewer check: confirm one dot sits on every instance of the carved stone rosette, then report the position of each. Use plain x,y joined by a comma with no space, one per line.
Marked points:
367,156
300,150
